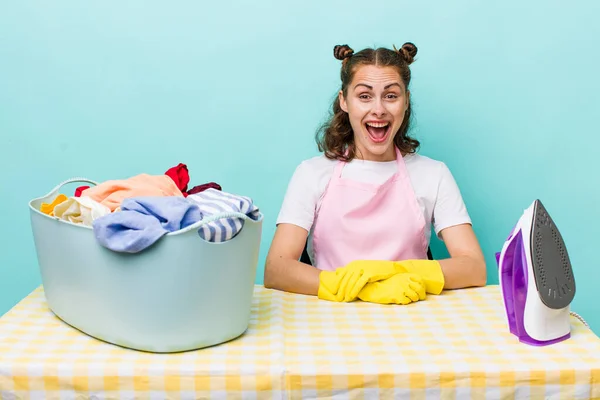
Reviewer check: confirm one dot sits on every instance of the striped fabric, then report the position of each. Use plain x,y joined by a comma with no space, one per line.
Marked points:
452,346
213,202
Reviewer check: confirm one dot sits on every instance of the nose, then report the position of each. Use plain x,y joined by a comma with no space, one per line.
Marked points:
378,108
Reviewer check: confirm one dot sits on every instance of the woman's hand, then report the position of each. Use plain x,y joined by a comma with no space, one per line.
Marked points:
283,271
466,265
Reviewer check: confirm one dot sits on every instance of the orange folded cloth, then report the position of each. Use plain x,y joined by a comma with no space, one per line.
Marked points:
111,193
49,208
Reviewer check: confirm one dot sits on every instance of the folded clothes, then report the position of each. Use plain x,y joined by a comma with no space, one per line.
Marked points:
111,193
144,220
48,208
212,202
80,210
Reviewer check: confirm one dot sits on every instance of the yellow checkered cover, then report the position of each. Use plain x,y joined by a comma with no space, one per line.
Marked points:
455,345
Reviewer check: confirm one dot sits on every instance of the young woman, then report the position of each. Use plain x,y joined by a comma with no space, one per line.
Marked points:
366,206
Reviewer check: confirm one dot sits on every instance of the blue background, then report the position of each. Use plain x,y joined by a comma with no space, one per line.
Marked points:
505,93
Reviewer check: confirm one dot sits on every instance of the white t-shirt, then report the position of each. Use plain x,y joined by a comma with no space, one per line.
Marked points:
437,193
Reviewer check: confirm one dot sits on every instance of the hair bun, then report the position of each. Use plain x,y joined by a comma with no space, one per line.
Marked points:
408,51
342,51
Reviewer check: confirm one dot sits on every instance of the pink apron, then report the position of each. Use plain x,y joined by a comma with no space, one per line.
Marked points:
363,221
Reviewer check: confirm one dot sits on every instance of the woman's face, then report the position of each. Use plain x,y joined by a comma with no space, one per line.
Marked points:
376,104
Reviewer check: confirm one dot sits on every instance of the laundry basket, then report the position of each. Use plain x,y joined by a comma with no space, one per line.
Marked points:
182,293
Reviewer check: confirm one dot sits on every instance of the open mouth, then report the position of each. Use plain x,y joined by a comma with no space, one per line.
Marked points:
378,131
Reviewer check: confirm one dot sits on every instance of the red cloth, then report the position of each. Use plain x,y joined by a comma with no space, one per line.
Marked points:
79,190
181,177
203,187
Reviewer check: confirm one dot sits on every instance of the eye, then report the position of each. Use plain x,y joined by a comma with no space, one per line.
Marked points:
364,96
391,96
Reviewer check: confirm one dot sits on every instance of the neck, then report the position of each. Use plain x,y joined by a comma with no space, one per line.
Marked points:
389,155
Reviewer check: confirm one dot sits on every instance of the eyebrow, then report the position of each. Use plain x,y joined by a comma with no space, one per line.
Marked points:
371,87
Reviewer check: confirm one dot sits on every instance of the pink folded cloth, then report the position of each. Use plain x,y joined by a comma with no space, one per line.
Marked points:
111,193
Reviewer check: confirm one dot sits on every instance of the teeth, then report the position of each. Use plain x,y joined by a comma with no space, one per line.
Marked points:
378,124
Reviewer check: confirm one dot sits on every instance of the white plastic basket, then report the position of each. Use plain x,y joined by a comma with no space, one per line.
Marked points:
182,293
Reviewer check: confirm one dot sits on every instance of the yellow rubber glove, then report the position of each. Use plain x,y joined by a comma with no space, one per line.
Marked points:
337,285
429,270
402,288
346,282
49,208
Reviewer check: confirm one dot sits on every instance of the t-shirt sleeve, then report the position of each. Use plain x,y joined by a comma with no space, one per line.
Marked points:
449,209
301,197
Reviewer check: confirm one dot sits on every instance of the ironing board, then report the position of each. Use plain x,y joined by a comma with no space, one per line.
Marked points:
455,345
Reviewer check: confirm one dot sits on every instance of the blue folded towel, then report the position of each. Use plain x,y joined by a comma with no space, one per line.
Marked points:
144,220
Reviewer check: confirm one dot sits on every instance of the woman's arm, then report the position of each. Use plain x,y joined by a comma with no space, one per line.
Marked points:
466,265
283,271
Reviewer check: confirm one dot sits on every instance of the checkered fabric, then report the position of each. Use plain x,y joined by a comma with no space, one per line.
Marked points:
455,345
41,357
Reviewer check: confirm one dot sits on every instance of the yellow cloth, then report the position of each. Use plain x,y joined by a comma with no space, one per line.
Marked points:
346,282
402,288
49,208
429,270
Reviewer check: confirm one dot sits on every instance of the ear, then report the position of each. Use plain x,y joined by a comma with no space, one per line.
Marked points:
407,98
343,104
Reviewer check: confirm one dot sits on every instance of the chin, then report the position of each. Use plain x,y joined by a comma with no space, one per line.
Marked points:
378,149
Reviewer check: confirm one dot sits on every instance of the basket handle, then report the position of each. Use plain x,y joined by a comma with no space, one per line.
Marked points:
71,180
215,217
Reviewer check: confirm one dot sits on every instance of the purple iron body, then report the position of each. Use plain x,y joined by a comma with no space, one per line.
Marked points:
536,279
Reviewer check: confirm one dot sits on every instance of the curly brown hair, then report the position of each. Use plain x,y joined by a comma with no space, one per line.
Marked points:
335,137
